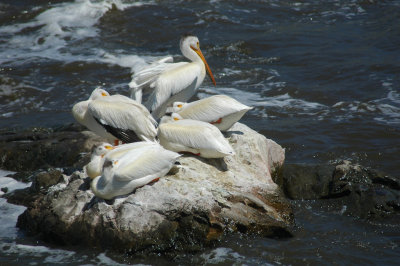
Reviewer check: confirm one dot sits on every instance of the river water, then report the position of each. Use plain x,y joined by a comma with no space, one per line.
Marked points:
322,76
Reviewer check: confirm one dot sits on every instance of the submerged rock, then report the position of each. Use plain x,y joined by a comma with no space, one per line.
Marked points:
348,188
190,207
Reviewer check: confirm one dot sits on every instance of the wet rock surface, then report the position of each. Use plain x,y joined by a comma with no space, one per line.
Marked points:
40,148
348,188
192,206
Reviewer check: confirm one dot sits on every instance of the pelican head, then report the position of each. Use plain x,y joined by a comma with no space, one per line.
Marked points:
98,93
177,106
170,117
101,149
176,117
190,48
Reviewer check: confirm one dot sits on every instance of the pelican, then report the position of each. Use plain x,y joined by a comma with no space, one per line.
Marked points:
146,76
220,110
172,81
118,117
106,151
132,170
123,149
93,168
193,136
84,117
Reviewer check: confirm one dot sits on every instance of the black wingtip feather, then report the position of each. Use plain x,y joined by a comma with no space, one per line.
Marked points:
125,135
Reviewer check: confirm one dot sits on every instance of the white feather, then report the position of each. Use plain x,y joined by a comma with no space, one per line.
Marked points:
132,170
146,76
178,83
195,137
221,110
169,81
84,117
124,113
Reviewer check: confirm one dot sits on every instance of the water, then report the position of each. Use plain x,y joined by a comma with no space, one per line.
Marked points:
323,77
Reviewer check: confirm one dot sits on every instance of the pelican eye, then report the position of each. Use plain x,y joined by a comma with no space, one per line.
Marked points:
103,94
179,105
176,118
198,45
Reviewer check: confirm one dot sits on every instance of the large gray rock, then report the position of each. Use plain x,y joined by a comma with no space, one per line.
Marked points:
347,188
192,206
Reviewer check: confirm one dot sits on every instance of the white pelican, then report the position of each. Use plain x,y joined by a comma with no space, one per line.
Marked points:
107,152
93,168
84,117
193,136
117,117
220,110
134,169
172,81
144,78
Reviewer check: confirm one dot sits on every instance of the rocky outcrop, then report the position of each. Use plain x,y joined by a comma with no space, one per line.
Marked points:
41,148
195,204
348,188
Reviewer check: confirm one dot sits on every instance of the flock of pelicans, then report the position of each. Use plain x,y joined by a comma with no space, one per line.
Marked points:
151,150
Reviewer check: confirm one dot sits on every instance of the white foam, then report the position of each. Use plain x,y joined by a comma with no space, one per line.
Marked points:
104,260
385,110
9,212
394,96
134,62
8,231
11,184
52,255
50,33
220,255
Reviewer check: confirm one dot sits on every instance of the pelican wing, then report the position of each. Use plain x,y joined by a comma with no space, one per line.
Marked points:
123,149
149,73
122,98
79,110
125,135
212,108
172,82
144,162
193,134
125,119
145,78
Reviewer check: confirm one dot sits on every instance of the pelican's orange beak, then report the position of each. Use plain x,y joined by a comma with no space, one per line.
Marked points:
198,51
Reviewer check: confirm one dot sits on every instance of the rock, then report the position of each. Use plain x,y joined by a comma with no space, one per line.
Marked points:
302,181
41,181
47,179
43,148
348,188
183,211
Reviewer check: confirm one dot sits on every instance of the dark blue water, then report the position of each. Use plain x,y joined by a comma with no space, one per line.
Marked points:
323,77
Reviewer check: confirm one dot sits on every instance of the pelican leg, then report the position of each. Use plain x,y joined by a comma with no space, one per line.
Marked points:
219,121
154,180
